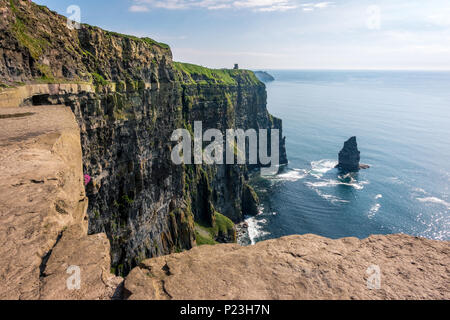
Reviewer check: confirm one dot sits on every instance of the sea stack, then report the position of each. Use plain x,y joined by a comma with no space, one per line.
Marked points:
349,157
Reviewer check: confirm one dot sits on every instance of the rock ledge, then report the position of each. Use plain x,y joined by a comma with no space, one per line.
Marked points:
298,267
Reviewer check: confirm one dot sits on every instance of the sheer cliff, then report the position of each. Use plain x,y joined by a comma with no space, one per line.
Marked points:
128,96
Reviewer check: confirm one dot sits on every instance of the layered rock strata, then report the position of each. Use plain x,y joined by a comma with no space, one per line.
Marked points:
128,96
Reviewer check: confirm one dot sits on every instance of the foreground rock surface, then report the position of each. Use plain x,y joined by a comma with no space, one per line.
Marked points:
43,223
299,267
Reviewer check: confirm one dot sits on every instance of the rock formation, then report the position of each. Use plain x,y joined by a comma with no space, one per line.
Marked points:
128,96
43,222
250,201
349,157
299,267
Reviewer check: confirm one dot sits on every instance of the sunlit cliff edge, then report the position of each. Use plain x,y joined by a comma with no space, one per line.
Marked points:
101,104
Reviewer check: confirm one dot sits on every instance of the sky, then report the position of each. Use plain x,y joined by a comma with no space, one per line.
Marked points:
284,34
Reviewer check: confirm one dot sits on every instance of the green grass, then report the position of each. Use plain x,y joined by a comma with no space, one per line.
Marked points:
222,225
98,79
156,43
201,240
146,40
35,45
5,86
195,74
13,7
127,200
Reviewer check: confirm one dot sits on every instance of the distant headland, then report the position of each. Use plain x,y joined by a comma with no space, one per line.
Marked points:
264,76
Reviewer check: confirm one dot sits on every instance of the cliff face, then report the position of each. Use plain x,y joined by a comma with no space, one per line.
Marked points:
128,96
43,223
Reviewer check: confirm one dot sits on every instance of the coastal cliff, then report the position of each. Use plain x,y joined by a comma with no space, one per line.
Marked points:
128,96
87,181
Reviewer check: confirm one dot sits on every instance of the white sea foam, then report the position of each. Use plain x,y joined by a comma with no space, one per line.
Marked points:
420,190
292,175
378,196
373,210
255,226
319,168
329,197
435,200
358,185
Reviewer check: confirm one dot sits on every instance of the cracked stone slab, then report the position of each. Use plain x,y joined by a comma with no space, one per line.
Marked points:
299,267
41,198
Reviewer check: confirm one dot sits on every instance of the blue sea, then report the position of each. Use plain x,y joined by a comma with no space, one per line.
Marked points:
402,124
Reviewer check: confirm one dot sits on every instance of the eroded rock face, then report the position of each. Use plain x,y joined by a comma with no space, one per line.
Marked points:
299,267
132,98
250,201
349,156
76,253
43,222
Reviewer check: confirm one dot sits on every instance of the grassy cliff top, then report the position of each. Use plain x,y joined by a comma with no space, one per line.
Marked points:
145,40
52,53
42,49
195,74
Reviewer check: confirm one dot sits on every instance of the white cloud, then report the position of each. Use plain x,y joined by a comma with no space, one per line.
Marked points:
138,8
311,6
441,18
323,4
255,5
219,7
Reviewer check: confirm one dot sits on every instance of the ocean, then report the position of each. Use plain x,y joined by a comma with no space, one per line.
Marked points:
402,123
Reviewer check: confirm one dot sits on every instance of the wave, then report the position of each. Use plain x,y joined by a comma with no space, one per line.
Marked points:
319,168
358,185
378,196
420,190
435,200
291,175
329,197
255,228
